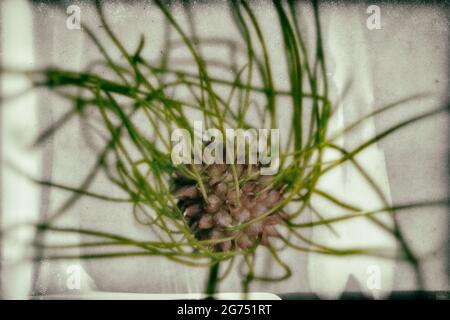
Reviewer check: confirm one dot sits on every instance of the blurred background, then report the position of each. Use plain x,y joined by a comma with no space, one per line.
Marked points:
369,66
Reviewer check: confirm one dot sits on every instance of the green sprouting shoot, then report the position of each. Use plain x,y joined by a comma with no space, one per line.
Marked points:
140,165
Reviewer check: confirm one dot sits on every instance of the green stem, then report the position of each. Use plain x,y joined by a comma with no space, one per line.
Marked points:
212,280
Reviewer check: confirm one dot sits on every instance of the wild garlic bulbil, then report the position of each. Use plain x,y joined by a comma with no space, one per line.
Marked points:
227,206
